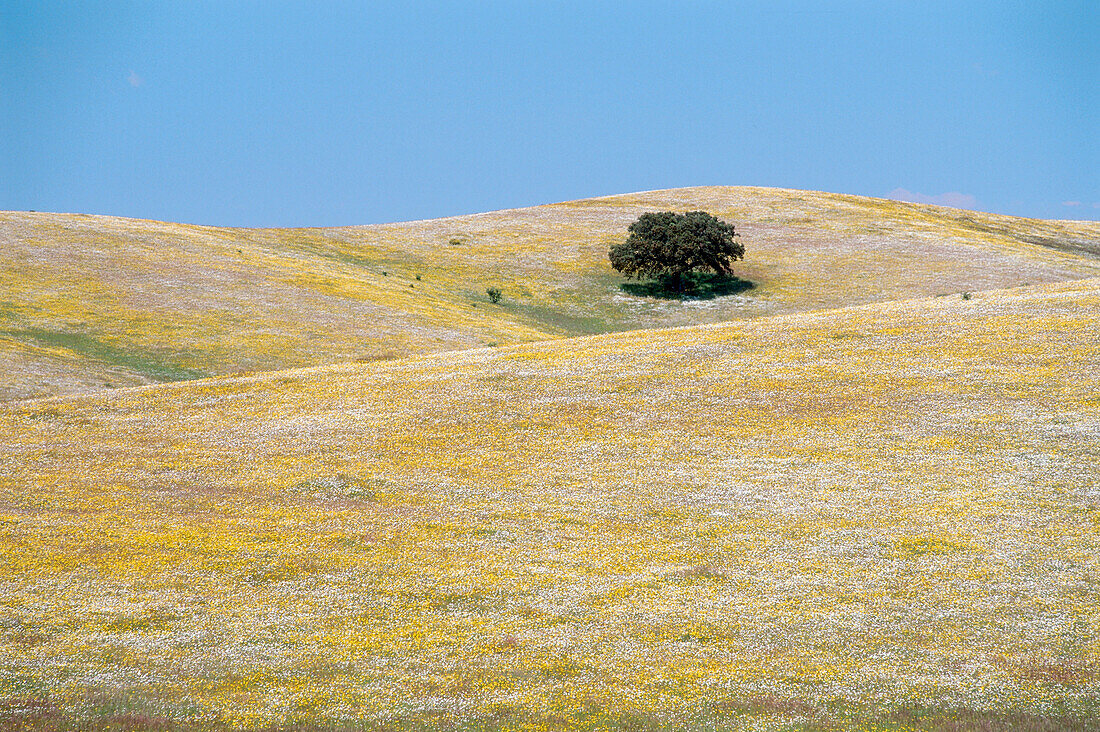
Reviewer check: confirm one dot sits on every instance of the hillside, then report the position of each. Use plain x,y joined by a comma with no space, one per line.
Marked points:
882,516
92,302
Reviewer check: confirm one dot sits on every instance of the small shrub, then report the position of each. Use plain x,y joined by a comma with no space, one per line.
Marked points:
456,242
418,278
966,296
495,294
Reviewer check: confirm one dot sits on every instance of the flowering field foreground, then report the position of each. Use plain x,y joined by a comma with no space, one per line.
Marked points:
94,302
880,517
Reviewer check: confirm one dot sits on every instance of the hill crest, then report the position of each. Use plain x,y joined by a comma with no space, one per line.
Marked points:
89,302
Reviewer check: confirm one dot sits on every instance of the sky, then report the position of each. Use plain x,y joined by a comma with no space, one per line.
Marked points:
330,113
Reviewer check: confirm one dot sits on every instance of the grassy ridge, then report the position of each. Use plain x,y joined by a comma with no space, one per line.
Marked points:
91,302
881,516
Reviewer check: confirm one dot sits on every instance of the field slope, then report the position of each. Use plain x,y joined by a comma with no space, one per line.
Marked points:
884,516
93,302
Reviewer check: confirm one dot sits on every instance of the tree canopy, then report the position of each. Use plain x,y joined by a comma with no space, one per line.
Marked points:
667,245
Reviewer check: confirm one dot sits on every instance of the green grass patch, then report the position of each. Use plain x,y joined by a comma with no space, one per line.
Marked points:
89,347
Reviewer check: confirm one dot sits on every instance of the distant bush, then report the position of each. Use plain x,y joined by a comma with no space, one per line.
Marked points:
456,242
495,294
966,296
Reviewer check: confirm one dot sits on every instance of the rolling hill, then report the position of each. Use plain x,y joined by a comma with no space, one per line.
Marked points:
880,516
93,302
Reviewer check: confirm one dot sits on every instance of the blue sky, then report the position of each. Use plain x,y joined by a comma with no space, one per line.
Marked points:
328,113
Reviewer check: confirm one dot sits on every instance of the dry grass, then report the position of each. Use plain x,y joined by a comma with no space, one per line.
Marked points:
878,517
90,302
